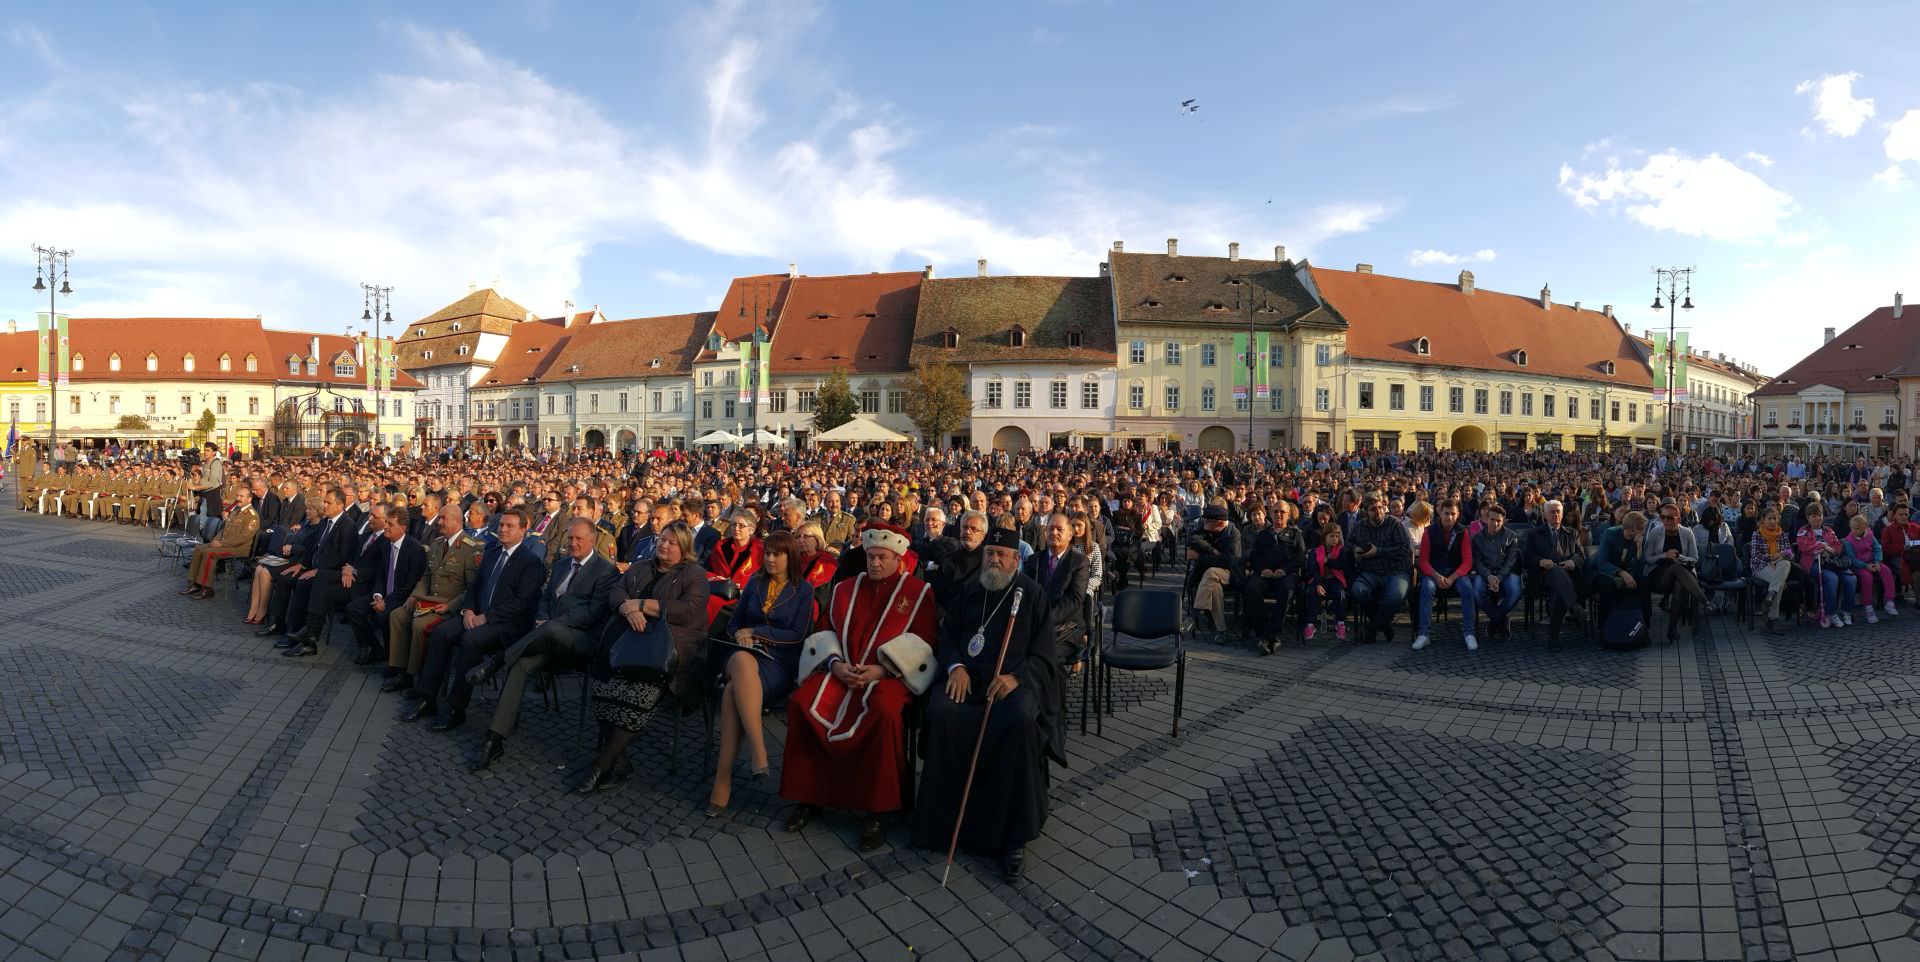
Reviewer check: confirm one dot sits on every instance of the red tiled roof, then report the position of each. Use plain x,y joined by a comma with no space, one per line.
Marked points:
529,353
1703,361
628,348
750,302
332,346
1481,331
169,339
1863,359
862,323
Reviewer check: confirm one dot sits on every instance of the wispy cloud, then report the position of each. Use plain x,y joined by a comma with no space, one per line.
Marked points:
1403,105
1838,111
1759,158
1424,258
1892,177
1697,196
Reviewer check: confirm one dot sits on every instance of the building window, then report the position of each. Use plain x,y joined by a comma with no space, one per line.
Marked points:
152,405
1073,338
950,338
706,409
1057,394
79,361
1773,415
220,404
1321,400
896,402
1017,337
186,363
1173,397
1546,405
993,395
1137,352
1426,397
706,378
680,401
313,367
727,409
1633,411
13,409
1457,400
186,404
655,401
1136,396
1479,400
869,402
1206,397
153,361
73,405
1396,397
343,370
253,405
253,364
777,402
1173,353
551,401
803,400
1090,396
1423,347
1022,394
1366,395
113,404
1613,411
1506,403
620,401
1274,400
113,362
593,403
1276,355
1208,355
1322,355
1526,404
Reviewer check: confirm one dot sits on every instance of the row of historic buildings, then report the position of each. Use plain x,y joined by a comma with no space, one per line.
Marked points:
1155,350
1857,388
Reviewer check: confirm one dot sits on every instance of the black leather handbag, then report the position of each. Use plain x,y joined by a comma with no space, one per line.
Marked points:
647,652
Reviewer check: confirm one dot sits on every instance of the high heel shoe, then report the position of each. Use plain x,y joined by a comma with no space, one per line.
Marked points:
600,780
758,774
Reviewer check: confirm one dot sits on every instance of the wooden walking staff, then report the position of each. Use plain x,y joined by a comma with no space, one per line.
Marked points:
960,818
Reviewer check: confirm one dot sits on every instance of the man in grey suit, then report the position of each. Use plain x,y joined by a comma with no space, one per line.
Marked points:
574,606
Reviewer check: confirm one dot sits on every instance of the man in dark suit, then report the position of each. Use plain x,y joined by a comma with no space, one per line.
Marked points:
497,608
390,568
1061,571
705,536
573,608
313,599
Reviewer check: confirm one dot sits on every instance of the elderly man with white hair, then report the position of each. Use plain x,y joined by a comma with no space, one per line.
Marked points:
1553,560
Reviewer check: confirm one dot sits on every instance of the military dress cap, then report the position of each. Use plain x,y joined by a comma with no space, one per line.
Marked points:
1004,538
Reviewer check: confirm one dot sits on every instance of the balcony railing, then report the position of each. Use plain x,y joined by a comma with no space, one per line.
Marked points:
1887,425
1856,428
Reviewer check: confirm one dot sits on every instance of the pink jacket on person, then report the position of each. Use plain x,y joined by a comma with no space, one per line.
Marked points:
1808,540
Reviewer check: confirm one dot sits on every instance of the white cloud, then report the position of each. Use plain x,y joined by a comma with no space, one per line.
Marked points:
1423,258
1835,106
1903,137
1892,178
1759,158
465,166
1696,196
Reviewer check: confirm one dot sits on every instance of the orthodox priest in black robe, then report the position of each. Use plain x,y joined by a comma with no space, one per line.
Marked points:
1008,805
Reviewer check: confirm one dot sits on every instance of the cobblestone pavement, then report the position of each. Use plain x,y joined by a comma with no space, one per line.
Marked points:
169,789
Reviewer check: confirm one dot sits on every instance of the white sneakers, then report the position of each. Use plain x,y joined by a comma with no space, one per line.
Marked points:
1420,641
1846,619
1472,645
1891,611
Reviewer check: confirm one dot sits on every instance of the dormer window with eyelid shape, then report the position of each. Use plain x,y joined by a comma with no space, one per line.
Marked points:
1423,347
1017,337
1606,367
950,337
1520,357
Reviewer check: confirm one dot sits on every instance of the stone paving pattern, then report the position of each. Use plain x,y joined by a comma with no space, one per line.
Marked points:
171,789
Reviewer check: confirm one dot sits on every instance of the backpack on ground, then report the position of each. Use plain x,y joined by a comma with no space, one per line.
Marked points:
1623,629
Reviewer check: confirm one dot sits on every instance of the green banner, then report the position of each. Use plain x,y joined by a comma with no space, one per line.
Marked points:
746,367
389,360
1680,365
40,368
370,356
1665,352
1262,360
766,368
1239,367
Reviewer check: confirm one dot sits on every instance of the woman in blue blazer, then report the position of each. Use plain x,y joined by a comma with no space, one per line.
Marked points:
772,617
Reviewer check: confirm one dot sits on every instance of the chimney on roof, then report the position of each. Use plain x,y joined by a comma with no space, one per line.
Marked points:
792,269
1829,336
1233,250
982,265
1576,305
313,346
1466,282
927,272
1173,247
1106,269
1280,252
1896,304
13,326
1607,310
1363,268
1546,298
566,308
1119,247
1721,357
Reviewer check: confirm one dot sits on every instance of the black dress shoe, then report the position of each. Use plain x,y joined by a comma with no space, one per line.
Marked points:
489,753
301,649
288,642
398,682
1012,863
369,656
421,709
454,719
801,817
479,673
873,834
265,631
597,780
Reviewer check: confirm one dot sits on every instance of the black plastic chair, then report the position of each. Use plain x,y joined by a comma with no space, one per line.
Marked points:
1146,637
1721,571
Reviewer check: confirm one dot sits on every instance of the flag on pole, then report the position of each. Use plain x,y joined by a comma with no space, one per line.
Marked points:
1261,359
13,436
1239,367
66,355
42,371
1680,365
746,369
765,366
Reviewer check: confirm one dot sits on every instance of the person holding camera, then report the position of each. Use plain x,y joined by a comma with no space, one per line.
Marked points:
1672,556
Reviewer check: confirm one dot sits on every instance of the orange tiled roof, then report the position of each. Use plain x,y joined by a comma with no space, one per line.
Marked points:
529,353
750,302
332,346
1863,359
169,339
862,323
629,348
1387,315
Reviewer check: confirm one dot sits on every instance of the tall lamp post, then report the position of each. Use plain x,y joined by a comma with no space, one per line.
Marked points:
1244,301
1675,278
376,303
53,261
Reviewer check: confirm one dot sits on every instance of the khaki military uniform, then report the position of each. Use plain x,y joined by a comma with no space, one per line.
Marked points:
451,564
235,540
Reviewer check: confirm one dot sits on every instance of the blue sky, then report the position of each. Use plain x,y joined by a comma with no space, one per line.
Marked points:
264,158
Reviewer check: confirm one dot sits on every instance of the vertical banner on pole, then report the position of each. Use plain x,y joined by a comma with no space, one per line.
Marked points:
1680,365
1659,364
389,359
65,363
1262,356
370,360
1239,367
42,370
746,368
766,368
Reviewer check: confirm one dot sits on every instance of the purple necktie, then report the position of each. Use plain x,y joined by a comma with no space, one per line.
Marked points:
392,563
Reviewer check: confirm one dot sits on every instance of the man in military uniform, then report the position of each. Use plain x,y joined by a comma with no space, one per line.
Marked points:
235,541
452,559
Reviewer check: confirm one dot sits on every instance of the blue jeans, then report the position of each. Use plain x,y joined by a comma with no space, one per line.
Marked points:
1380,596
1497,605
1423,615
1838,590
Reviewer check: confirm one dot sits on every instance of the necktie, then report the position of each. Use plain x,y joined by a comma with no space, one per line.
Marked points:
486,597
573,568
1048,573
392,563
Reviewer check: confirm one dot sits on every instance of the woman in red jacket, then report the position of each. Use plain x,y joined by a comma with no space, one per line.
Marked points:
735,558
1900,545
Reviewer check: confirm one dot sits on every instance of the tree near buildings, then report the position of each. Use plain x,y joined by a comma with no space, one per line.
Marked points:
835,403
131,422
203,431
937,401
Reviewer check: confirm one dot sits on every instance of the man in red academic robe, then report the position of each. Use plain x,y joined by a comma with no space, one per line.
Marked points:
846,734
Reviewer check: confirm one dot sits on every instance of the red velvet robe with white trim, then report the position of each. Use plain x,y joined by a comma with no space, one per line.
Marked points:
847,749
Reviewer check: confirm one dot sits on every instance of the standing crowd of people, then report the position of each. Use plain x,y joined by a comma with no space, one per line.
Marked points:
856,591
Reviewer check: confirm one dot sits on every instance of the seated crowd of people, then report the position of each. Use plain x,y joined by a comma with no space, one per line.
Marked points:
846,590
